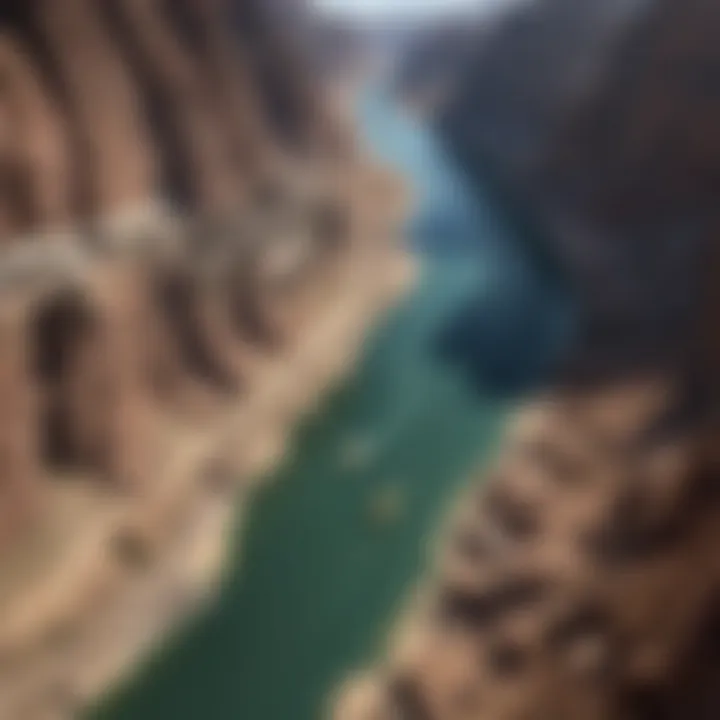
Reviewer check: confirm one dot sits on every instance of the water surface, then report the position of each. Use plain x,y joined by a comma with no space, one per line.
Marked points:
319,572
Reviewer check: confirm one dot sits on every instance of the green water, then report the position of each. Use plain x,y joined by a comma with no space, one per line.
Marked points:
318,577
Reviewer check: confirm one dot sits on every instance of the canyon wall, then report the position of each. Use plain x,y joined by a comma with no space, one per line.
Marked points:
154,156
579,577
191,251
596,120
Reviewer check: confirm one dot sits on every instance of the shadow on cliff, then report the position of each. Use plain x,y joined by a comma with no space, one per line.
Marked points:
517,331
513,331
504,343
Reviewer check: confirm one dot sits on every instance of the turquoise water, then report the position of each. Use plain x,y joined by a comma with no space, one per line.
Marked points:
509,330
317,578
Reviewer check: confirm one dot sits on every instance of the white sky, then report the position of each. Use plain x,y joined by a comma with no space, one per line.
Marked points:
380,8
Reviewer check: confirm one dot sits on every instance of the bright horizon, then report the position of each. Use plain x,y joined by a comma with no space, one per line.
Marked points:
378,9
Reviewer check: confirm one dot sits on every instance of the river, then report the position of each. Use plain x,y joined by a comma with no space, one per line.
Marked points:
321,569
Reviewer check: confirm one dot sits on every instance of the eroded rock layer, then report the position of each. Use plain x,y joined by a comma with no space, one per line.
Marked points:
190,248
578,580
145,189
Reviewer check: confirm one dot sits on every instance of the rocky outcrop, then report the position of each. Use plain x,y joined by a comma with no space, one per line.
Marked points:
182,217
579,581
137,151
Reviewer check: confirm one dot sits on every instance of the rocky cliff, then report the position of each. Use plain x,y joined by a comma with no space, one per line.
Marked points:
431,61
117,117
186,230
579,577
597,122
577,580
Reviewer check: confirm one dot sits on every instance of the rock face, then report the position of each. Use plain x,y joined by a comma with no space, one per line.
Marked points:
581,578
181,217
110,113
597,121
432,60
579,582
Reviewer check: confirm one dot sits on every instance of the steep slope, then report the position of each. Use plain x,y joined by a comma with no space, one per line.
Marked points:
580,579
182,219
596,121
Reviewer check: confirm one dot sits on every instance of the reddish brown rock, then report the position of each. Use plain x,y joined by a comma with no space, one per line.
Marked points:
103,102
36,144
20,441
118,323
181,94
